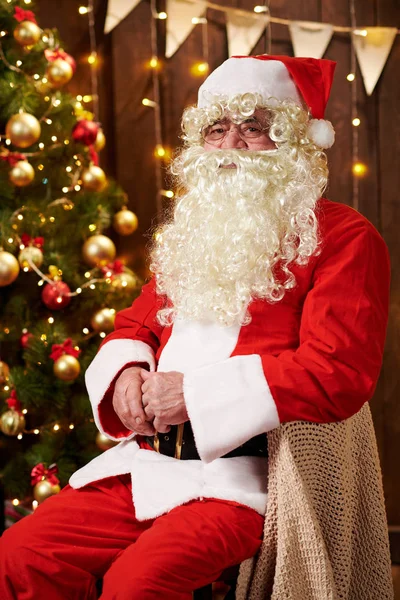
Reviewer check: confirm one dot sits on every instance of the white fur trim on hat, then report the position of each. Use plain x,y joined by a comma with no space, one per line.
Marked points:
321,132
270,79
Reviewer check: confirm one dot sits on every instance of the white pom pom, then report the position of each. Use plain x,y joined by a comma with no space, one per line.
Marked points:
321,132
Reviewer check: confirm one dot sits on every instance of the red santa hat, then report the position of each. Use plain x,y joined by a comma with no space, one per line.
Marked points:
306,81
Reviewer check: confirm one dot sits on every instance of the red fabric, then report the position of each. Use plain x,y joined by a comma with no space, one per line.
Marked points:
78,536
322,345
312,76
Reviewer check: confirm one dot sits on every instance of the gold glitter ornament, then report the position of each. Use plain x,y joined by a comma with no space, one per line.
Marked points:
30,254
44,489
27,33
103,320
94,179
100,141
22,173
125,221
9,268
4,372
12,422
59,72
125,281
103,442
23,129
98,250
67,367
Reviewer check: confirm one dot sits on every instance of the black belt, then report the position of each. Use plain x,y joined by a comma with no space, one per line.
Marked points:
179,443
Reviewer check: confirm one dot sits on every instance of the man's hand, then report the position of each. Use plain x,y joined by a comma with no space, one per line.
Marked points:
127,401
163,399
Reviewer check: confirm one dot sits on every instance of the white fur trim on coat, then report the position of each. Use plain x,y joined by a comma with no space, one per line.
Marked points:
228,403
159,483
110,359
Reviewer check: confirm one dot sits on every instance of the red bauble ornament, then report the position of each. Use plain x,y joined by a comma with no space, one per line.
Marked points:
55,295
85,132
24,339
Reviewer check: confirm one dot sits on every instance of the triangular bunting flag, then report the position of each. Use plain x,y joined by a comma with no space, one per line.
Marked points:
244,32
310,39
179,22
116,11
372,46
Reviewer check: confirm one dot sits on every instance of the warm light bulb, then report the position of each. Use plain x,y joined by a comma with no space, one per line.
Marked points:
92,58
18,63
92,286
87,98
56,427
199,69
19,436
162,15
356,122
24,412
59,300
153,63
43,337
87,274
359,169
10,240
83,10
92,227
79,290
85,330
199,20
51,320
71,426
36,76
53,138
15,502
260,9
167,193
41,145
102,334
77,187
159,152
52,219
65,190
40,167
148,102
350,77
36,431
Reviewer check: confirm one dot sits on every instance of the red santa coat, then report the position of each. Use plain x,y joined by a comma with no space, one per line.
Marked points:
315,356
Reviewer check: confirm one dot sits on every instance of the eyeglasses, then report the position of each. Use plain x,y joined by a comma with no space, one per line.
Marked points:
248,130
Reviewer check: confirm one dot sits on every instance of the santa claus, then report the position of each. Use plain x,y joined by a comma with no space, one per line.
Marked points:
268,305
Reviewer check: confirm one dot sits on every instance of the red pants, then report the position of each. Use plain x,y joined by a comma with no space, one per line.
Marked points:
79,536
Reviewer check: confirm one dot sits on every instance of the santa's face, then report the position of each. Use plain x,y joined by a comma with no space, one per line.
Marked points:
244,214
250,134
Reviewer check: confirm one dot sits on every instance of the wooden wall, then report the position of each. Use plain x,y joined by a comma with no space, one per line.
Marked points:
125,80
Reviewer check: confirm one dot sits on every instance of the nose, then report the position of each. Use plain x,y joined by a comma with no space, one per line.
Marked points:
232,140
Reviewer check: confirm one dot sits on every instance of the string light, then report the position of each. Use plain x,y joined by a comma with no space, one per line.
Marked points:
356,122
18,63
41,145
8,142
51,320
52,219
200,69
65,190
87,98
24,412
10,240
71,426
83,10
92,58
36,431
15,502
102,334
79,98
56,427
154,62
167,193
19,436
148,102
35,504
162,15
92,227
199,20
159,151
77,187
85,330
260,9
360,32
359,169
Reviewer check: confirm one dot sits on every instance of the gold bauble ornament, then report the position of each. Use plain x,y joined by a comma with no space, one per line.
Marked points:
27,33
100,141
4,372
103,442
125,281
67,367
98,250
28,255
94,179
103,320
22,173
44,489
59,72
125,222
9,268
23,129
12,422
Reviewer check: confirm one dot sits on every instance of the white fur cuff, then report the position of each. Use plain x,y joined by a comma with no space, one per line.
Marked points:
228,403
108,362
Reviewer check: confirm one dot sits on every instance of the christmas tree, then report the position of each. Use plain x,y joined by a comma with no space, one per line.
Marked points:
60,283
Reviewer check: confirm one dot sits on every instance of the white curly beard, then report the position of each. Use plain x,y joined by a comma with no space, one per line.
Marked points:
230,229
